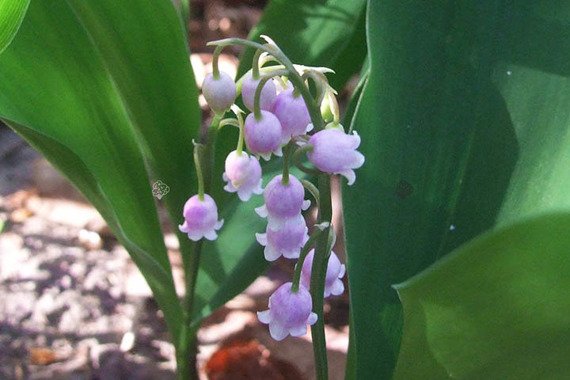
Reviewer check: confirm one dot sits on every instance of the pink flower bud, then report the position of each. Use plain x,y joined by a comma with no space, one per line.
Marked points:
263,136
286,241
335,152
289,312
293,114
219,93
267,96
335,272
243,175
201,218
283,201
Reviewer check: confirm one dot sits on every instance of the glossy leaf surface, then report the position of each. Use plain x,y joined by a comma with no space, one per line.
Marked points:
496,308
464,124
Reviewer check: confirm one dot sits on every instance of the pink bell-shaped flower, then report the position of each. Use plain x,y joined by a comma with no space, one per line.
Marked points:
263,136
286,241
289,312
220,93
335,152
283,201
201,218
267,96
243,175
333,278
293,114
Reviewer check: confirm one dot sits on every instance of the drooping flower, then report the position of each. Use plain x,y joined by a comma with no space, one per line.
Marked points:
286,241
263,136
243,175
335,152
293,114
289,312
201,218
220,93
333,278
267,96
283,201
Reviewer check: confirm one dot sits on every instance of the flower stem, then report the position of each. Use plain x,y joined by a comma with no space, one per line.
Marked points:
215,68
186,348
239,147
199,174
255,64
299,267
286,162
318,273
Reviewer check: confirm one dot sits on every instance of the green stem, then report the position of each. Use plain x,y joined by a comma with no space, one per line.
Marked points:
318,274
239,148
199,173
186,348
257,96
304,252
298,160
255,64
312,189
215,68
286,162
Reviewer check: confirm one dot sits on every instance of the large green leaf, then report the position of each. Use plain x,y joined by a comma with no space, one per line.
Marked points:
57,92
144,51
12,13
464,123
317,33
495,309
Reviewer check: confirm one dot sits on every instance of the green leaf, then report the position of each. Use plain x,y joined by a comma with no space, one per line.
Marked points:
12,13
462,133
143,49
497,308
58,94
316,33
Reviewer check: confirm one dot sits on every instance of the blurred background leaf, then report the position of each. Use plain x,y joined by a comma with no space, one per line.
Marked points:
497,308
12,13
464,123
315,33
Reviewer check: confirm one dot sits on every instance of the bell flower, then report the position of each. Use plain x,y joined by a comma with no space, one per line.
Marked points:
289,312
283,201
243,175
219,93
335,152
286,241
333,278
267,96
201,218
263,136
293,114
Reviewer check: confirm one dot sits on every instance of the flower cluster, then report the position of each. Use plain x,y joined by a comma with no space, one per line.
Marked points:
280,124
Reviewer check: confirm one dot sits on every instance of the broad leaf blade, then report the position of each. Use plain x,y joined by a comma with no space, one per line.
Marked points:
458,137
12,13
497,308
144,51
56,86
